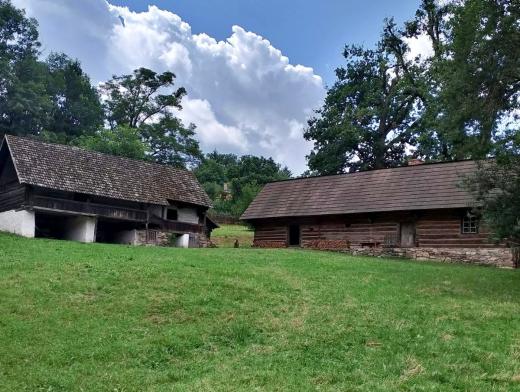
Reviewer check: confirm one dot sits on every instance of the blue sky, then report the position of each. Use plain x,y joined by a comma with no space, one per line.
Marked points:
255,71
312,33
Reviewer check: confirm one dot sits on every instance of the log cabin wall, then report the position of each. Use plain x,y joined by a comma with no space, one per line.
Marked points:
433,229
271,234
442,229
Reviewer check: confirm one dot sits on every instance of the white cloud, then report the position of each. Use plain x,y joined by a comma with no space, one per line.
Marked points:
243,94
420,46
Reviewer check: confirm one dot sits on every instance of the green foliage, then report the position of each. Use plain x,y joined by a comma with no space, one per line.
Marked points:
76,107
121,141
496,187
170,142
473,76
136,101
369,114
54,99
450,105
245,176
96,317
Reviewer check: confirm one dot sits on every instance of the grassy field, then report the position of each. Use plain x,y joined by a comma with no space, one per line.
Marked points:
77,317
225,236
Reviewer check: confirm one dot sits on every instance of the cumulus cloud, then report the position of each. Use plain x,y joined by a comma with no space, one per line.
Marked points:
244,95
420,46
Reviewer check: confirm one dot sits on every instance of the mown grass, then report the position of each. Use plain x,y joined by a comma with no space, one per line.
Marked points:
226,235
77,317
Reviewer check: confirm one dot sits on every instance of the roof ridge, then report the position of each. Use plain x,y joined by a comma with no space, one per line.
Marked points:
140,161
425,164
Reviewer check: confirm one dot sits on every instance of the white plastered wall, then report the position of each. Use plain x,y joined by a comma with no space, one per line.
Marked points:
18,222
81,228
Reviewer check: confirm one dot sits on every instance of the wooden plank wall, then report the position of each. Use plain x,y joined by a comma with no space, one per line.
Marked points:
434,229
356,231
11,197
442,229
271,234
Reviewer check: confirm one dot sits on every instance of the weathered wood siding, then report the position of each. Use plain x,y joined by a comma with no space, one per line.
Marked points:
353,232
433,229
11,197
442,229
12,193
271,235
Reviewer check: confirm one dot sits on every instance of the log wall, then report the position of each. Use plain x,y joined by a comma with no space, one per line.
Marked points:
11,197
433,229
442,229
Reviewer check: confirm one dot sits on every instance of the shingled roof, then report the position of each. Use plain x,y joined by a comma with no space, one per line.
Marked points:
419,187
74,169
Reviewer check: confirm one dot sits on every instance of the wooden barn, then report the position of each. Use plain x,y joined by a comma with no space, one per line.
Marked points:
418,211
57,191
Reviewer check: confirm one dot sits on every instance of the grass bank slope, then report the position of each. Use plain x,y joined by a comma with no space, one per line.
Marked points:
77,317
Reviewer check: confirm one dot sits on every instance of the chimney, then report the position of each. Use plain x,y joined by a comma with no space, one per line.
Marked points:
415,162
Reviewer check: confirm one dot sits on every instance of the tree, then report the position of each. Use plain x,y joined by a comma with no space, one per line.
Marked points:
23,102
496,187
76,109
121,141
170,142
244,176
370,113
54,98
473,81
136,101
481,73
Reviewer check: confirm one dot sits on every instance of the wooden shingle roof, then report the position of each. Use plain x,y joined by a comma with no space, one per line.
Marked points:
74,169
420,187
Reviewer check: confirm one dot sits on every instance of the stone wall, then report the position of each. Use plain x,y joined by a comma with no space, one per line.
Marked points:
269,244
163,238
499,257
154,237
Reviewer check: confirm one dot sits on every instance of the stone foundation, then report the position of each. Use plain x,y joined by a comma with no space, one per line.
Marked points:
152,237
269,244
498,257
164,238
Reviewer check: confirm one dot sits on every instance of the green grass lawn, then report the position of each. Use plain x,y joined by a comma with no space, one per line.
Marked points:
76,317
225,236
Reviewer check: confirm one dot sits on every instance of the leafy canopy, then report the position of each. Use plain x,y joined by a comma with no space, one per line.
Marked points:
244,177
370,113
145,101
52,98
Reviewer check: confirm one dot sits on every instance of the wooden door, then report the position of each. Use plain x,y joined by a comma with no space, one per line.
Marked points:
408,235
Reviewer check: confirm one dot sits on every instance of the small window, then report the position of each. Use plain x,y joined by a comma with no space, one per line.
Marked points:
171,214
470,224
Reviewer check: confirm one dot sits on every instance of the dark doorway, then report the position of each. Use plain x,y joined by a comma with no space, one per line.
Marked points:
408,235
294,235
51,226
116,232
